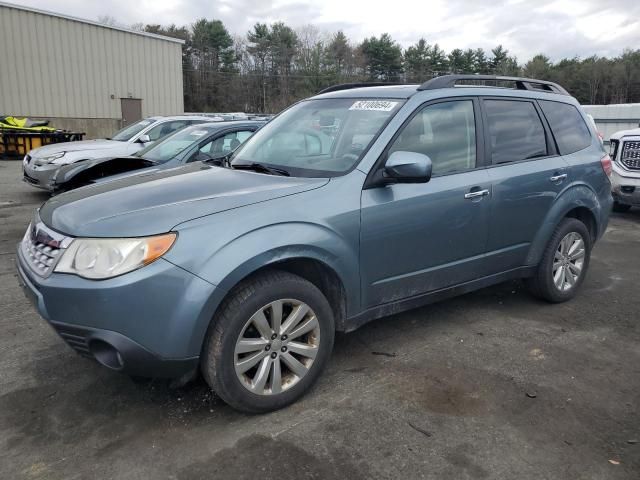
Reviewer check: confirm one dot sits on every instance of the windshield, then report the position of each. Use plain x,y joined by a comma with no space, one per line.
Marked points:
318,138
126,133
171,146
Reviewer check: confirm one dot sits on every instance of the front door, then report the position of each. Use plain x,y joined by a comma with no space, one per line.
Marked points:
417,238
131,110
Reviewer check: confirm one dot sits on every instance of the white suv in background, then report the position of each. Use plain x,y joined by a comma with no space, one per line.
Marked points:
40,165
625,179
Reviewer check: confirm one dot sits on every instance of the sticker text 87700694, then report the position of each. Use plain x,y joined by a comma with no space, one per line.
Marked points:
375,105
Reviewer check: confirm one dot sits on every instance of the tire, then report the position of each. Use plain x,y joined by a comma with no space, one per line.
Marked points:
621,207
238,326
544,283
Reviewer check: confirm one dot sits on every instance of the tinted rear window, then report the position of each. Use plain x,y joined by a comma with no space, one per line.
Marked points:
515,130
568,126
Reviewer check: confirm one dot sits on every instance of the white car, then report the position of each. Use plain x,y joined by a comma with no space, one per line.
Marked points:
625,179
40,165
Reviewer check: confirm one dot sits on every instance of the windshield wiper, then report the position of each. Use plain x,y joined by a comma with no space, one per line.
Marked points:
261,167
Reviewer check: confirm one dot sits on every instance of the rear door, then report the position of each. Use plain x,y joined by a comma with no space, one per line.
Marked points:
526,174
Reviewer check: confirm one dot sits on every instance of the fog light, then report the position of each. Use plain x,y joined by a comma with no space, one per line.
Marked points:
106,354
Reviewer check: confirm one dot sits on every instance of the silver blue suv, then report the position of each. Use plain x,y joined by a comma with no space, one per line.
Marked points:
349,206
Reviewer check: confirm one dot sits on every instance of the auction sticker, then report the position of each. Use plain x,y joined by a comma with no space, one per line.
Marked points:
198,133
375,105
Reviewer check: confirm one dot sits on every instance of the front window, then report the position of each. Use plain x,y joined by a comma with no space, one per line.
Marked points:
225,144
173,145
127,133
319,138
446,133
164,129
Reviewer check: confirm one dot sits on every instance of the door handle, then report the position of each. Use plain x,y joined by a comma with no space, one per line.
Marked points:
477,193
558,178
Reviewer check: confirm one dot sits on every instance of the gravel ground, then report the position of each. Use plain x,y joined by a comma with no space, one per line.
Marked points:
494,384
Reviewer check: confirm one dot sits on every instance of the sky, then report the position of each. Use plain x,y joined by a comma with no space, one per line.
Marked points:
557,28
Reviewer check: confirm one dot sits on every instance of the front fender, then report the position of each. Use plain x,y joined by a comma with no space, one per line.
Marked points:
233,259
574,196
274,243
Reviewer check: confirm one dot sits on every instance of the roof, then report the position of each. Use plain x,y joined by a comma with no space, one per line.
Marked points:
184,117
387,91
527,87
220,125
90,22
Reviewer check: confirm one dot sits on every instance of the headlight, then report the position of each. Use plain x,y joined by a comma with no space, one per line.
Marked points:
50,158
100,258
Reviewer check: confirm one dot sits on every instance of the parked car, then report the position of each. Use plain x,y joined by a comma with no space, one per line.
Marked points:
41,164
624,149
245,271
201,142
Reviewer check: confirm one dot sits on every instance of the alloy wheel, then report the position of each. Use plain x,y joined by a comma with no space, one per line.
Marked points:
277,346
568,261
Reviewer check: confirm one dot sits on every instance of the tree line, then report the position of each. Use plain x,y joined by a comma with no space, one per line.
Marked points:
274,65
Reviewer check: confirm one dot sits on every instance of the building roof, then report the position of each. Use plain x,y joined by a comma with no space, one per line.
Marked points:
90,22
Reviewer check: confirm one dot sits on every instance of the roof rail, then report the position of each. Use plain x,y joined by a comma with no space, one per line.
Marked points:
448,81
349,86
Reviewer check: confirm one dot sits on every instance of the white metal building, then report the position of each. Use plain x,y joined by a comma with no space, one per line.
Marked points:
613,118
82,75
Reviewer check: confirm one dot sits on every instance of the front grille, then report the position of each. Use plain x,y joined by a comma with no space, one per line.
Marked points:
630,156
42,248
30,179
75,338
41,258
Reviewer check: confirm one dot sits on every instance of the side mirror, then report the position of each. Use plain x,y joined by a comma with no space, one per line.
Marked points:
144,138
407,167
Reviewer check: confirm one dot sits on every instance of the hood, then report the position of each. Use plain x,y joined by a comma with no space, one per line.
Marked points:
48,150
634,132
153,203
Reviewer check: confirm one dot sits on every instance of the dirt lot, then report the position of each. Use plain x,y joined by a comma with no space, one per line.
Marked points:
494,384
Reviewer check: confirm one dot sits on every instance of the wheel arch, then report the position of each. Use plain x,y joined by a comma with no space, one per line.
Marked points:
578,202
313,269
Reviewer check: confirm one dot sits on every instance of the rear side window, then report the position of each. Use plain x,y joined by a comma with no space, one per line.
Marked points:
516,131
568,126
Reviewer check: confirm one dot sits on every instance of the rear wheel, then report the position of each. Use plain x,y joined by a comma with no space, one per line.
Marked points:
621,207
564,262
269,342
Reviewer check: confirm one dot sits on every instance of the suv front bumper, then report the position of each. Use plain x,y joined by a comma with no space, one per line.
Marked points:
625,186
150,322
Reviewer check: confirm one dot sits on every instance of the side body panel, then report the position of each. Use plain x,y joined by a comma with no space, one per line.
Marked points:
422,237
321,224
523,194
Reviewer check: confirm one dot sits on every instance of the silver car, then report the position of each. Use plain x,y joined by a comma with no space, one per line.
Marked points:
41,165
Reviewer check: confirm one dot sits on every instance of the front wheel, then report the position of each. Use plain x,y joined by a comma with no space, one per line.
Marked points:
269,342
564,262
